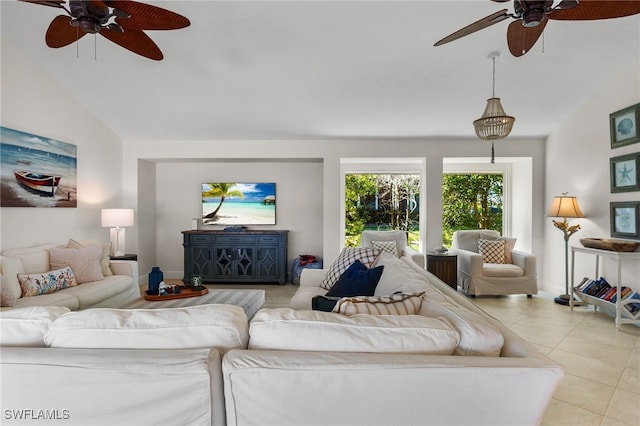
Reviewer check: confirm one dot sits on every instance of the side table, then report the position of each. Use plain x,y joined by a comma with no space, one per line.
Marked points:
125,257
445,267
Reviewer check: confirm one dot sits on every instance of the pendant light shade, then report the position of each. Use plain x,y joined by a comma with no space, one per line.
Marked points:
494,123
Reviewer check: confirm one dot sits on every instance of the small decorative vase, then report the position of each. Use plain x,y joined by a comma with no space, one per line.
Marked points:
155,278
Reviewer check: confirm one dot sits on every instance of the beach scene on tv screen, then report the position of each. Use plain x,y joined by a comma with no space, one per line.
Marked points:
239,203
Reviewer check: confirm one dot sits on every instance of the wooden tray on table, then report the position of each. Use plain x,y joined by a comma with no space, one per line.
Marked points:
185,292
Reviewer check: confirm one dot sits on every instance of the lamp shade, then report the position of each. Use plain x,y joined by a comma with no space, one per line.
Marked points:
112,218
494,123
565,206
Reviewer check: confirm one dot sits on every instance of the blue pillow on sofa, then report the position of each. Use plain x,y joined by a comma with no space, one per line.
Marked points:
357,280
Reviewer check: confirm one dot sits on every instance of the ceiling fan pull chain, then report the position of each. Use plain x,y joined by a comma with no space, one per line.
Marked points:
77,44
493,154
543,41
95,47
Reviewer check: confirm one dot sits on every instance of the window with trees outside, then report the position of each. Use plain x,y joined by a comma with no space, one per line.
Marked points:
382,202
471,201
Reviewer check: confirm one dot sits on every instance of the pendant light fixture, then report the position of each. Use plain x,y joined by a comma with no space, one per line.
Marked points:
494,123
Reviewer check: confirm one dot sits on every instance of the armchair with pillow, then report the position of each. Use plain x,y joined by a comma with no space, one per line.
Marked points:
488,265
383,241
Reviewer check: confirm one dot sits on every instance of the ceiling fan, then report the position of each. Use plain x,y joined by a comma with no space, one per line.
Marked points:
532,16
122,22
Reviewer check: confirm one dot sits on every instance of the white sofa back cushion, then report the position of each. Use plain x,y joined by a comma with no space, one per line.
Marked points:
287,329
27,326
223,327
477,336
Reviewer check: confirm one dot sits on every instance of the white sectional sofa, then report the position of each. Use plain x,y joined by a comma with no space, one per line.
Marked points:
113,282
452,364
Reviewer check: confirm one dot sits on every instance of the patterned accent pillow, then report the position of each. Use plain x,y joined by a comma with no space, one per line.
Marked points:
509,244
491,251
385,247
348,255
85,262
46,282
396,304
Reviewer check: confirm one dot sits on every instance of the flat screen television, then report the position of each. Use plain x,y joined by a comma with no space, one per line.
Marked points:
225,203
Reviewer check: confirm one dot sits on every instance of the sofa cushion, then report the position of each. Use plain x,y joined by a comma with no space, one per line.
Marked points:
286,329
27,326
223,327
395,304
59,298
385,247
104,257
394,275
46,282
11,267
7,298
90,294
501,270
34,259
491,251
347,256
357,280
85,262
477,336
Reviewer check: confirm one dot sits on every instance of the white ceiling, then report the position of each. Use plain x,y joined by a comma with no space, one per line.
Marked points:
327,69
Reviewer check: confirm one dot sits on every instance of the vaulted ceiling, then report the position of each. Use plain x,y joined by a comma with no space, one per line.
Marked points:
327,69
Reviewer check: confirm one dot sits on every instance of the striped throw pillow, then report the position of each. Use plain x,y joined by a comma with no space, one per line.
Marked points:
396,304
348,255
491,251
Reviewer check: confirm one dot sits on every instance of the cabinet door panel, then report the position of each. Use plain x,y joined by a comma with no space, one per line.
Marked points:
244,262
268,262
201,262
223,262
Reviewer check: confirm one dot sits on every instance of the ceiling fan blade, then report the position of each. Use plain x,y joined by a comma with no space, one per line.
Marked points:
148,17
136,41
566,4
52,3
60,33
521,39
592,9
480,24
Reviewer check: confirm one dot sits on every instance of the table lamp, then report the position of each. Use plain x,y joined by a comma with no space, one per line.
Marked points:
565,206
117,219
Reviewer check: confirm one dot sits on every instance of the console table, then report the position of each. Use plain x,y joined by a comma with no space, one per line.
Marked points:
235,257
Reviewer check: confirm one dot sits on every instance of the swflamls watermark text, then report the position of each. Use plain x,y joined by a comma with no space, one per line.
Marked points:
36,414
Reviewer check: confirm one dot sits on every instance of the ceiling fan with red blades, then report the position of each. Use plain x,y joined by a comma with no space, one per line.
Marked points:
530,18
122,22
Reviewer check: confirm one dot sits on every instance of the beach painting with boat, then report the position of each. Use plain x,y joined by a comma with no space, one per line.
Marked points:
36,171
227,203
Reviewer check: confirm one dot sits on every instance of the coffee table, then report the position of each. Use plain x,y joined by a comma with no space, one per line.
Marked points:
249,300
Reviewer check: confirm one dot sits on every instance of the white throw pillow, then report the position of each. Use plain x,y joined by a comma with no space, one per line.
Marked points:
348,255
477,336
287,329
7,298
223,327
11,267
27,326
509,244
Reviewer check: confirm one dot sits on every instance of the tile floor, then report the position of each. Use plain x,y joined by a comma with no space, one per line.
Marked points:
602,365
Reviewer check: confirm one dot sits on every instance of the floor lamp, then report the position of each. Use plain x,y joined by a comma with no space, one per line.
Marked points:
565,206
117,219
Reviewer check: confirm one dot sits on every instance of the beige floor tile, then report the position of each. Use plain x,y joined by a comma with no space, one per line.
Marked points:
630,381
561,413
634,359
584,393
625,407
545,336
584,346
588,368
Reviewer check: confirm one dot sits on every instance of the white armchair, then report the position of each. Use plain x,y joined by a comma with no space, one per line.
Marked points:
478,278
400,237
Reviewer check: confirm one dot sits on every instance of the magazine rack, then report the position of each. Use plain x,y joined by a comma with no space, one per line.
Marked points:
622,315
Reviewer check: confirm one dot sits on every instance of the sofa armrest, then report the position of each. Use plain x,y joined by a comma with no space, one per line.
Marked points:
125,267
526,261
415,256
312,277
468,261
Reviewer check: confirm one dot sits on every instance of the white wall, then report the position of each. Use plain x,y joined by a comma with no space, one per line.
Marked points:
577,162
313,163
33,104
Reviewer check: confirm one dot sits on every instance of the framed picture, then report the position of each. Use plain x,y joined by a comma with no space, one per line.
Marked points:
625,173
625,219
37,171
624,128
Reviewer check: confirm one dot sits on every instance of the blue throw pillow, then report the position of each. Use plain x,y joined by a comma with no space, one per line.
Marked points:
357,280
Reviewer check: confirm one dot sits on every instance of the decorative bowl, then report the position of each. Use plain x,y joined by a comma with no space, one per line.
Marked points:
610,244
